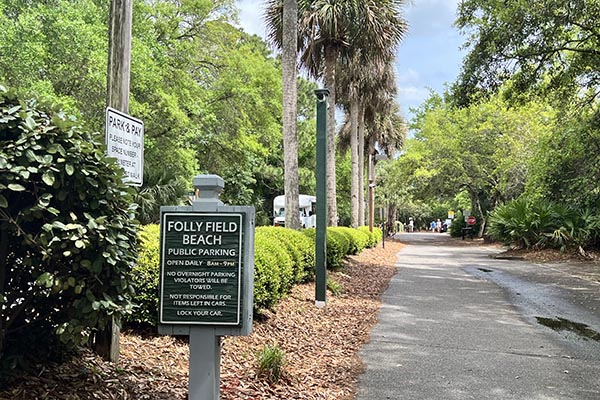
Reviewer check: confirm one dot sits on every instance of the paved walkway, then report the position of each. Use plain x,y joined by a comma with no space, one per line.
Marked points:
448,331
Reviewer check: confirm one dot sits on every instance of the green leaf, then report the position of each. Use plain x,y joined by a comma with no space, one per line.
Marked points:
53,211
97,266
30,123
46,279
69,169
48,178
79,244
13,109
15,187
31,156
44,202
3,202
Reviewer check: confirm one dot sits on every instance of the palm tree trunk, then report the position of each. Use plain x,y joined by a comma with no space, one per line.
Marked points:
361,165
330,60
354,187
290,138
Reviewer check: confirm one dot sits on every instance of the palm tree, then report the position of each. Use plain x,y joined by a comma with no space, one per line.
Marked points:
290,136
328,29
322,35
378,91
376,87
282,20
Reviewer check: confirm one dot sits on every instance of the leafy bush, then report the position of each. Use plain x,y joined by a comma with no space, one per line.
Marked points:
337,246
522,222
374,237
538,224
67,236
357,239
145,276
337,239
457,224
299,247
273,270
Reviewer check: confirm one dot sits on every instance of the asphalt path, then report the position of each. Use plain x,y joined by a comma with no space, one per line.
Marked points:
457,323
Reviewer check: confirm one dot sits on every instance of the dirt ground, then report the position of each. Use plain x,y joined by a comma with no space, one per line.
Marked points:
320,347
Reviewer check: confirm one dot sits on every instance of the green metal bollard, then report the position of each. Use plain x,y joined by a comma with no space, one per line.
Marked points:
321,234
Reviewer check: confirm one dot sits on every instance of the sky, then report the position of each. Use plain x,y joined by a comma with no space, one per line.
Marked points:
428,58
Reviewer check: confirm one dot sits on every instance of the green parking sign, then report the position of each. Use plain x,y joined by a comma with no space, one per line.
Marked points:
201,268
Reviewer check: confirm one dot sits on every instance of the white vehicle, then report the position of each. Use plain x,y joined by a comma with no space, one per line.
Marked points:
308,210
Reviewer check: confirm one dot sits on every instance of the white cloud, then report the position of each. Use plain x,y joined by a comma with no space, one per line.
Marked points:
251,17
407,76
412,96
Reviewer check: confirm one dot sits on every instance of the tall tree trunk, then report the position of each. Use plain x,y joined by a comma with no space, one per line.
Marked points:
290,137
371,180
361,165
330,60
354,186
481,215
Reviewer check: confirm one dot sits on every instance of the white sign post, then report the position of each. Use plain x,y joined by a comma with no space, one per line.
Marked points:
125,142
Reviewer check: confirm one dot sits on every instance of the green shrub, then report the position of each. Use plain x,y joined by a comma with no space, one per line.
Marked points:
522,223
372,240
339,240
337,246
357,239
282,257
300,248
145,276
541,224
273,270
67,232
457,224
374,237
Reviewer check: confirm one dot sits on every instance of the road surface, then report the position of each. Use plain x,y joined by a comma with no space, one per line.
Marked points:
457,323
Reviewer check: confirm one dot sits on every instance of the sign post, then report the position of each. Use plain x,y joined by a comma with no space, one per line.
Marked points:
206,278
125,142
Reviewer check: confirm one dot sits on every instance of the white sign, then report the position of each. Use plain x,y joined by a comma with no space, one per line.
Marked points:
125,142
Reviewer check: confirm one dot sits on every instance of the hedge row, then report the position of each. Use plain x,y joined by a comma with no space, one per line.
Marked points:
282,258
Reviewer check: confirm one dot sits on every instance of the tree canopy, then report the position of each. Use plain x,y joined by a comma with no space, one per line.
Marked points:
550,45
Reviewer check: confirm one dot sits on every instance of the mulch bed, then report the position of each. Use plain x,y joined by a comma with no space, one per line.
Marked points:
320,346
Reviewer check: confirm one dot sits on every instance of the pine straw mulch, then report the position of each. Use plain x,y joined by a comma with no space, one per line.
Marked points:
320,346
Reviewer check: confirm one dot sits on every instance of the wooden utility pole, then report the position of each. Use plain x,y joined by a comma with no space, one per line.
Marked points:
119,66
119,54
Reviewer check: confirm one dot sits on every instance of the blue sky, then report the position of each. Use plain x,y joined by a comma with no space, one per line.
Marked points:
428,58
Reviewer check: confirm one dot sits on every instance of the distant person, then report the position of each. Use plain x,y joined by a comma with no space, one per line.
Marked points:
432,226
411,225
438,225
